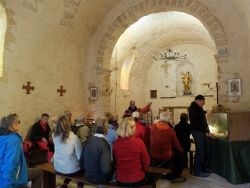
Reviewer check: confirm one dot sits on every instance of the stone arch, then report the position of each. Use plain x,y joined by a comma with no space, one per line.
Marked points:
135,12
3,28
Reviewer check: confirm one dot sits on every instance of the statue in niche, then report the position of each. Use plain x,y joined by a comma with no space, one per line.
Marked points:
186,79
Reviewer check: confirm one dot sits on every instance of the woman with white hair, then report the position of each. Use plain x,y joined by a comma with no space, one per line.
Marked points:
13,169
130,155
165,147
81,130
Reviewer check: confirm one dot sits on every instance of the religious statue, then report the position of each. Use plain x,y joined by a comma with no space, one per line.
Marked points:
186,79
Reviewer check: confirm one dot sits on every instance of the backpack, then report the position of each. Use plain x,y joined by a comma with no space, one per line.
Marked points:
75,128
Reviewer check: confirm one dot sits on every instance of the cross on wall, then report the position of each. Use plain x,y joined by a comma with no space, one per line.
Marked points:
28,87
61,91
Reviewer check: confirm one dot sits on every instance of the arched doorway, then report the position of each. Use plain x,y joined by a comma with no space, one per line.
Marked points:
114,29
140,73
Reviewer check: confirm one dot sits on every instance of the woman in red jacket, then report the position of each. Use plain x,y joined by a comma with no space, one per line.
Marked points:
130,155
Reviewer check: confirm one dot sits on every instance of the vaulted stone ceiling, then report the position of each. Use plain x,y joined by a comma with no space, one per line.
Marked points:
155,32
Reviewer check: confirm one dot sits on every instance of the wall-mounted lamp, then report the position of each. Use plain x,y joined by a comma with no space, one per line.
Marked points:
206,84
108,91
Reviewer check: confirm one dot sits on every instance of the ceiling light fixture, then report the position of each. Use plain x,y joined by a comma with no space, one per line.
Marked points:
169,55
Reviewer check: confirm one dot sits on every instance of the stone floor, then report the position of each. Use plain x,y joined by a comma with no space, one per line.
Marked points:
213,181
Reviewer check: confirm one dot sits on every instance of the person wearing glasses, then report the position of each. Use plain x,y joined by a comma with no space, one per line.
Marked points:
13,169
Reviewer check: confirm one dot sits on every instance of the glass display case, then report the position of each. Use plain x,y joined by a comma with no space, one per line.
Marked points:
229,154
230,126
218,125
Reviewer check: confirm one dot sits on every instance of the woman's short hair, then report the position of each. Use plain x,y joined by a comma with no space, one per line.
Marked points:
166,117
101,125
184,117
80,119
7,122
45,115
62,128
126,128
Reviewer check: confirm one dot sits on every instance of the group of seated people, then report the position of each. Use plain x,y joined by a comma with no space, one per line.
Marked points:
114,152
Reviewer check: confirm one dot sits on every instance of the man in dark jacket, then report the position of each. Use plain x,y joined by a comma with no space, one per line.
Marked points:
200,132
95,158
133,108
40,131
41,135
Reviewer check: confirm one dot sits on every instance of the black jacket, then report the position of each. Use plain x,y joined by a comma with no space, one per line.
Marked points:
37,132
132,110
96,160
197,117
183,132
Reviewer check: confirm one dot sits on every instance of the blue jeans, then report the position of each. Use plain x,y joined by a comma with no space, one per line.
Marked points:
200,147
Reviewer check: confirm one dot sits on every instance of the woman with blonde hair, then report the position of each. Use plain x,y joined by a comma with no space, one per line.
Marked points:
130,155
67,150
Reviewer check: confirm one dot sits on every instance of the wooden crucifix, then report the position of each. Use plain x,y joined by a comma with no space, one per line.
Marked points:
61,91
28,87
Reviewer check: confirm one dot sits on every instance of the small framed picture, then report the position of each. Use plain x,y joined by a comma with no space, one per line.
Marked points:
153,94
234,87
93,93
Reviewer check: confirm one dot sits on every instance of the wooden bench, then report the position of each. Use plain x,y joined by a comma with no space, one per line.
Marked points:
49,176
36,156
156,172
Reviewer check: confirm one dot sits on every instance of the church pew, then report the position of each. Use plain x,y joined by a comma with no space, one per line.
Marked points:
156,172
49,176
36,156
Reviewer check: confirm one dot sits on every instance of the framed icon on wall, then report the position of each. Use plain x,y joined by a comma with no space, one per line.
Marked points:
234,87
93,93
153,94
